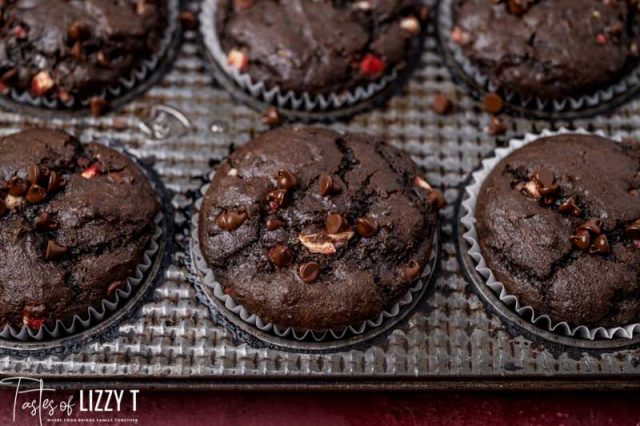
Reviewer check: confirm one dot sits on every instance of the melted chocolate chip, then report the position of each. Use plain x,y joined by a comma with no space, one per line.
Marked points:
327,185
280,255
569,206
286,179
592,225
632,232
17,186
55,250
33,174
309,272
36,194
273,223
493,103
600,245
45,222
582,240
366,227
231,220
278,196
335,223
55,181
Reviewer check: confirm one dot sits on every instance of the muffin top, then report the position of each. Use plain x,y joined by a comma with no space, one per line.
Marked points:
76,220
76,48
557,223
548,48
315,230
317,46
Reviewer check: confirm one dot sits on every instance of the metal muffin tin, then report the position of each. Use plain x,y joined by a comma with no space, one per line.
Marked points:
455,338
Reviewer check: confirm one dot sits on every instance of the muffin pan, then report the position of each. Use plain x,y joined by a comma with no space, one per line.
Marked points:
456,337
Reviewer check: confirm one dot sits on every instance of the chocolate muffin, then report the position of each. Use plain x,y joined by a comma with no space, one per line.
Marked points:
557,222
318,47
76,221
549,49
315,230
73,49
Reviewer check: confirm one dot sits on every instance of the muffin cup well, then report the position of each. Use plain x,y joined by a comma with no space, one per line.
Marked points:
480,83
139,79
290,100
541,320
206,276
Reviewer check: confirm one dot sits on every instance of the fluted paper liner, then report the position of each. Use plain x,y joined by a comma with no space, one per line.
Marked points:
568,104
207,277
275,95
471,236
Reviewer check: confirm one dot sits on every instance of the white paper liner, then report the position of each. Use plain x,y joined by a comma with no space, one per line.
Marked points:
137,76
106,307
511,301
568,104
208,279
276,95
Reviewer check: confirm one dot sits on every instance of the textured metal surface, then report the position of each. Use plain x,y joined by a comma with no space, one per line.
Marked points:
451,334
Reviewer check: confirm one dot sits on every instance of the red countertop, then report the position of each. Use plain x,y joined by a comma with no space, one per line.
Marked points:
308,409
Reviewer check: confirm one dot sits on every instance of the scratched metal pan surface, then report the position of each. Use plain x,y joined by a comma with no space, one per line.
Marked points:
454,338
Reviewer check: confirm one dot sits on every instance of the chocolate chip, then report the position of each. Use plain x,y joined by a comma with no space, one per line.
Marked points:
410,271
3,207
545,177
55,250
496,126
98,106
273,223
328,185
366,227
280,255
33,174
55,181
46,223
277,196
600,245
633,231
436,198
17,186
36,194
231,220
78,30
582,240
569,206
493,103
309,272
188,20
442,104
335,223
272,117
114,286
593,225
286,179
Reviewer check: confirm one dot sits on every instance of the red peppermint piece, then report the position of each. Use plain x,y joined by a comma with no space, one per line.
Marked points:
91,171
371,66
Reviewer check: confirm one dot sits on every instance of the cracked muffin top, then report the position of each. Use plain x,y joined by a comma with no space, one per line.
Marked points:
548,48
76,220
68,49
318,46
315,230
558,223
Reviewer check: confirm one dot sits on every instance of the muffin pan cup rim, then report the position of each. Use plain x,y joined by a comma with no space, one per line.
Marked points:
475,267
